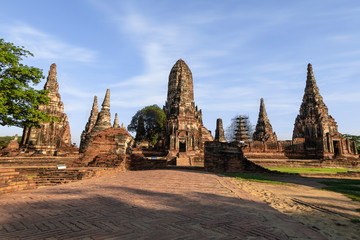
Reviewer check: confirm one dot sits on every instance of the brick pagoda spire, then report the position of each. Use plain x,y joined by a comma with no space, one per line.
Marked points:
180,97
103,121
104,118
91,122
184,130
314,124
54,136
116,121
263,131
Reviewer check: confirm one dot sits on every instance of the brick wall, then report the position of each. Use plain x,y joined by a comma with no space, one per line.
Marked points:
227,158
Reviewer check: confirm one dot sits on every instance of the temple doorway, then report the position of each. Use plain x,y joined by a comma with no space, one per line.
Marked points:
337,150
182,147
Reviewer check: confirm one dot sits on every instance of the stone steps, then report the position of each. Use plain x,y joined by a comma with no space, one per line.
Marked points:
34,161
56,176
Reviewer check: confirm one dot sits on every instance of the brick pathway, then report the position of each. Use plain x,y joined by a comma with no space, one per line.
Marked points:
159,204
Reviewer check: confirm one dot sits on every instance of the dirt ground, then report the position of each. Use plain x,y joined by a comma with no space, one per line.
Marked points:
324,211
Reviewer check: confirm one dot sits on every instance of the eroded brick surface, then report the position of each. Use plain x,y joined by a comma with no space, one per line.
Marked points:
50,137
159,204
184,132
263,131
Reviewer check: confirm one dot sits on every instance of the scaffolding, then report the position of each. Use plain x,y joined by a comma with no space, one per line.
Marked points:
242,130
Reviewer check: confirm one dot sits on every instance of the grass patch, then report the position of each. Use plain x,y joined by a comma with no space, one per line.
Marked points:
31,176
348,187
355,220
255,178
309,170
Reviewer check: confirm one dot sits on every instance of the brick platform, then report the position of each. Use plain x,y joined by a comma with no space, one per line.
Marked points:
157,204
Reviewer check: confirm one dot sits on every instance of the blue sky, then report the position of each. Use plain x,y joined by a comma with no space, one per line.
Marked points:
238,52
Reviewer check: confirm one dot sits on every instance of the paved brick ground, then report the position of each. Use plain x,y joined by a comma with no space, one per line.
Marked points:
161,204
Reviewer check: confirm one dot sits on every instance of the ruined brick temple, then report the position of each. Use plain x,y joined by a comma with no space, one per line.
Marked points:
315,128
103,144
184,140
263,130
54,137
184,133
315,132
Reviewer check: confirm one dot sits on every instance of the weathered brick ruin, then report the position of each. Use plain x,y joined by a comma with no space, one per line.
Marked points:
97,122
219,131
102,144
12,148
108,148
185,141
90,124
116,121
54,137
222,157
315,132
185,134
315,129
263,131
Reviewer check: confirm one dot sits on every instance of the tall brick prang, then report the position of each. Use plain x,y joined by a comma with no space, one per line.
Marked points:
54,136
314,125
185,134
263,131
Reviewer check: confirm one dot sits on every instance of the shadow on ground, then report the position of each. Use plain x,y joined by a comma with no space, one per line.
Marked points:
130,207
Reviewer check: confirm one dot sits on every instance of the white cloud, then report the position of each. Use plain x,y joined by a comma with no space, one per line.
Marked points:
229,73
44,45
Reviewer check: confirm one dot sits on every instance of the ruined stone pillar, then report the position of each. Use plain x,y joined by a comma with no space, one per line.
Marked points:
219,132
116,121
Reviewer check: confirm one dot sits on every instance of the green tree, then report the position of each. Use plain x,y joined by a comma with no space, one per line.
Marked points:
140,130
18,100
148,123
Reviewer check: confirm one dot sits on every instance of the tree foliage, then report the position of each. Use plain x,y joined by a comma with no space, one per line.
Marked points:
231,129
148,123
18,100
354,138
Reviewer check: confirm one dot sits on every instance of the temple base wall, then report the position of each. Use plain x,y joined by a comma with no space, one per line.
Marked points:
298,149
349,163
224,157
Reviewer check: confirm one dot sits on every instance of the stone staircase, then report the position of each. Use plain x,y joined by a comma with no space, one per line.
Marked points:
12,180
50,177
44,161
